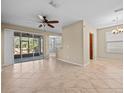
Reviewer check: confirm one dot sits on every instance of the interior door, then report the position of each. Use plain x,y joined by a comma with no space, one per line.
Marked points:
91,45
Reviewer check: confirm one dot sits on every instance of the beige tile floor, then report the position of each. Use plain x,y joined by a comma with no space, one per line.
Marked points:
53,76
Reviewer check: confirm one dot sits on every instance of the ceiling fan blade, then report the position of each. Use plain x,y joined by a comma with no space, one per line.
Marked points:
50,25
40,25
53,21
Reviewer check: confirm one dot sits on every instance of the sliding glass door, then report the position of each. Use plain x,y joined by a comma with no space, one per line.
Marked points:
17,45
37,45
27,46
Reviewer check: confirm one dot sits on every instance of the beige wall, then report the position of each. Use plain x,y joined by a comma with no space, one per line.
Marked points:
25,29
46,46
72,48
76,43
101,50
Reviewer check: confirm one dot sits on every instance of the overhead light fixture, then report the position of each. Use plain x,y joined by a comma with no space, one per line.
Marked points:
41,17
118,29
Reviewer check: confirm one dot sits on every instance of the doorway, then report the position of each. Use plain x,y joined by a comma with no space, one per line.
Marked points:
54,44
91,45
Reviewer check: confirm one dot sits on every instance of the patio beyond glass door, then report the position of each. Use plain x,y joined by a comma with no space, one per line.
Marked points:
17,47
37,45
27,47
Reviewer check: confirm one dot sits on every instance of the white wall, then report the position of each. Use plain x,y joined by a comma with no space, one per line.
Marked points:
8,47
2,46
102,44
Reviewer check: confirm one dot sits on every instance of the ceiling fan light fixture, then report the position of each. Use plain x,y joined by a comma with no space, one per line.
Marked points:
45,21
41,17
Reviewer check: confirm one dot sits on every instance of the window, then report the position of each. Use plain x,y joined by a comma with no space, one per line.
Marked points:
55,42
114,42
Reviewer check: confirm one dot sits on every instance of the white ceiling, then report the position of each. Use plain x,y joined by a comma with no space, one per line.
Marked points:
98,13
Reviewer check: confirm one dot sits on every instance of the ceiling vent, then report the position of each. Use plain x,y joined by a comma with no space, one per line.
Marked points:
54,3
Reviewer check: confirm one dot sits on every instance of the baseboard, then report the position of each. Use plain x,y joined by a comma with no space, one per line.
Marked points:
106,58
4,65
66,61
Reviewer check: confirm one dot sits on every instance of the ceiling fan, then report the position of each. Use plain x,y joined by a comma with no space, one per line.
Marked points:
44,21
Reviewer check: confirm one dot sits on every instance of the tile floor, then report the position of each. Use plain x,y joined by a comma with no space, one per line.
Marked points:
53,76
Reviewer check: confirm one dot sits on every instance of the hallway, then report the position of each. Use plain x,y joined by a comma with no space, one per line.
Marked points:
53,76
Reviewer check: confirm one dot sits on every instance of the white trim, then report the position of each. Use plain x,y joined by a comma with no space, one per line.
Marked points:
4,65
66,61
22,31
